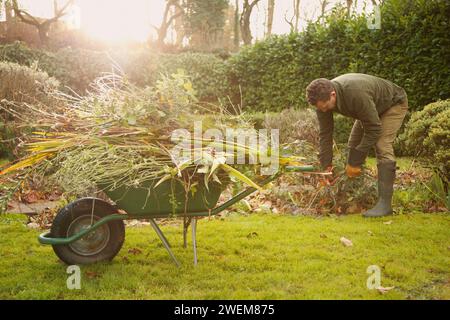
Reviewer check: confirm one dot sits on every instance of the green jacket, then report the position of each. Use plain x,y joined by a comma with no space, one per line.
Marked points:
362,97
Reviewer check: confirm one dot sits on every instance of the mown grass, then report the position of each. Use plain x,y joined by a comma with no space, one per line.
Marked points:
245,257
403,163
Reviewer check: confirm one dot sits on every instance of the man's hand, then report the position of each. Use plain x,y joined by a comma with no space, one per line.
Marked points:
352,172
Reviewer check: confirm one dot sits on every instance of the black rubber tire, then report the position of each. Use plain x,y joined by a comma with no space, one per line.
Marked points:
76,210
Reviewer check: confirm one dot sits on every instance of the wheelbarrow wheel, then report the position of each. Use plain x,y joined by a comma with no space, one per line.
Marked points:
101,244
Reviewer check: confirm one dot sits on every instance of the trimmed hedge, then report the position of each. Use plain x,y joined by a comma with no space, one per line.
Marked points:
411,49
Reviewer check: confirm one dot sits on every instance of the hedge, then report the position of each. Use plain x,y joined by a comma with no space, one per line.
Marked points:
411,49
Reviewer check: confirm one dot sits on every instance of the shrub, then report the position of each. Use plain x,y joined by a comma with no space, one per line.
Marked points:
206,71
20,84
77,68
18,52
294,124
428,133
24,84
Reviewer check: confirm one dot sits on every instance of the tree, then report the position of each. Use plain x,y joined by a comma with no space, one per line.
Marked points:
205,21
178,25
7,5
296,14
294,21
42,25
236,26
168,18
349,7
270,13
247,9
323,7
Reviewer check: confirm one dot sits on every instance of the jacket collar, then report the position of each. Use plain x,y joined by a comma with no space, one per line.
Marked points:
339,95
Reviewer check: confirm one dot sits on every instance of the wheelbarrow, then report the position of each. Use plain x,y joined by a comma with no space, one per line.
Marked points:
91,230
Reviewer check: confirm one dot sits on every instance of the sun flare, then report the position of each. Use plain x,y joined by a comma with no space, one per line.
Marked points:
118,20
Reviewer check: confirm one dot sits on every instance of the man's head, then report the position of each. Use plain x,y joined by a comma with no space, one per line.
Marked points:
321,94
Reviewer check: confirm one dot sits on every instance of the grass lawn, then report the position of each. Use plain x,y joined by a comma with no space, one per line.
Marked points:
245,257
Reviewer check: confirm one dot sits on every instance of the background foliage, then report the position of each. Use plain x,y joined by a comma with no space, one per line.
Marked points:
411,49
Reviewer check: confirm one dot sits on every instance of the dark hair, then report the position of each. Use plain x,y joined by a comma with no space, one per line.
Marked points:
319,90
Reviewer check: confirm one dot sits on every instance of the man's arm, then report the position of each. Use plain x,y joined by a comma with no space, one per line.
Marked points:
368,115
326,126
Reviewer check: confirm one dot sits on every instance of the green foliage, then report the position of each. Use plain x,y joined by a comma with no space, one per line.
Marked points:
204,21
342,128
438,187
74,68
77,68
411,49
428,133
206,71
19,53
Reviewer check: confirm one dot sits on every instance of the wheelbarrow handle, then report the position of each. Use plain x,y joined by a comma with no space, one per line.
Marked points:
300,168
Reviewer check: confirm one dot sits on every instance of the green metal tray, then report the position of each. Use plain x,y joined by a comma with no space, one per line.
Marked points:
168,198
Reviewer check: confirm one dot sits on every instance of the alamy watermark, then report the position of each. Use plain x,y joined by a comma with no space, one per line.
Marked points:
74,280
229,146
374,280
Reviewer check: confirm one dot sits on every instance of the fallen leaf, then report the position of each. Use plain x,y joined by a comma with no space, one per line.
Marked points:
346,242
135,251
388,222
33,225
31,197
252,235
92,274
383,290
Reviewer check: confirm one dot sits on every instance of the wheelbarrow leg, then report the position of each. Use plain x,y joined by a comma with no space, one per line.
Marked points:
194,239
186,223
164,241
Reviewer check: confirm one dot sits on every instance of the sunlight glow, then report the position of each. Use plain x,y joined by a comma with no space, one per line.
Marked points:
116,20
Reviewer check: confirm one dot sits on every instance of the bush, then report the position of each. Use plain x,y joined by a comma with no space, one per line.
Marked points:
342,128
20,84
18,52
24,84
74,68
294,125
77,68
428,133
206,71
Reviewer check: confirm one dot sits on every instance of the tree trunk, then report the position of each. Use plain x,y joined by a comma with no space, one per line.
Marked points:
296,14
9,21
236,27
178,26
245,21
270,13
323,8
349,7
167,21
43,33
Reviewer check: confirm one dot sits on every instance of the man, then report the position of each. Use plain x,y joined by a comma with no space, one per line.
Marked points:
379,107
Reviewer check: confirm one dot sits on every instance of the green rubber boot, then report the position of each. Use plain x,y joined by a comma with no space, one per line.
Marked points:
386,177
